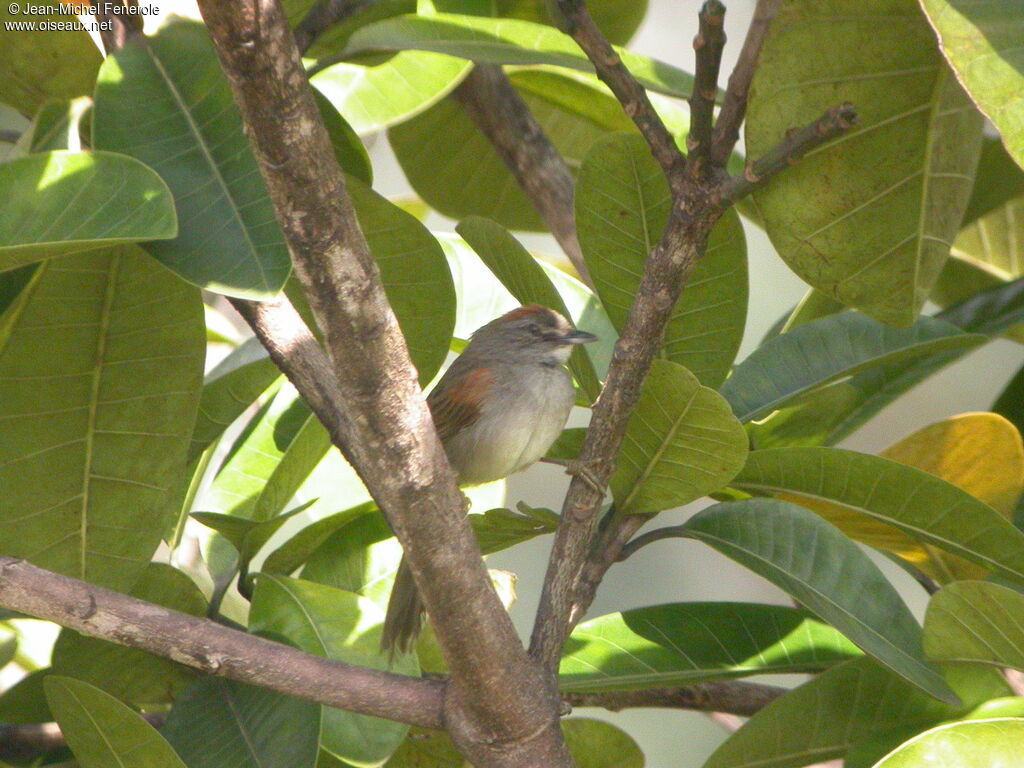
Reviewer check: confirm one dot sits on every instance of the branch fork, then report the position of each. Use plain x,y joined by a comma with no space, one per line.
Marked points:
702,191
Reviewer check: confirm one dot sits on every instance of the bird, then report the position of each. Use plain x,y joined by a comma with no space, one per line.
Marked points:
497,410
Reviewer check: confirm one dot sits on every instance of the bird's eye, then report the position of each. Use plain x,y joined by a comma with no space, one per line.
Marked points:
534,329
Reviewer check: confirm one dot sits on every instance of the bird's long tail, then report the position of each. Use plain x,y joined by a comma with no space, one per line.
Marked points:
405,614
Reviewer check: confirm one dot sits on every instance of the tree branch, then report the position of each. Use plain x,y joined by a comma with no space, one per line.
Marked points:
734,106
708,44
658,534
734,697
118,23
498,706
322,16
296,352
22,743
575,567
797,143
603,555
576,21
215,649
503,117
662,280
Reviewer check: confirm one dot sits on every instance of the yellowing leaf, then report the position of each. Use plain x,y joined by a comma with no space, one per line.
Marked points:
980,453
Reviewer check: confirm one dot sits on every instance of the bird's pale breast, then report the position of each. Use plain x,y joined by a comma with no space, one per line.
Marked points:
516,428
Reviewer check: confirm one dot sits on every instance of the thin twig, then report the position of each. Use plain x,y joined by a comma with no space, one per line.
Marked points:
658,534
734,106
605,552
708,45
577,22
733,697
215,649
502,116
796,144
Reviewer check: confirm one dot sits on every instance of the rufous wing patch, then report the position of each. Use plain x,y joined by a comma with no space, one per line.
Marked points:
456,405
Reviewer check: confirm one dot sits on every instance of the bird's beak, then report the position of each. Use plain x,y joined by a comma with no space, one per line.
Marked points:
578,337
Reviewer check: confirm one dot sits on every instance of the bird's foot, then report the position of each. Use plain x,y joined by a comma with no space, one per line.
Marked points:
582,470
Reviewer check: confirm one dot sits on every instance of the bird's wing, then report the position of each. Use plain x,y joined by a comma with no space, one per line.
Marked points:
455,404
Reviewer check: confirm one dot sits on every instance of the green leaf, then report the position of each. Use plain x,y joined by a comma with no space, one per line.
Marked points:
597,744
836,411
506,41
473,178
686,643
681,443
164,101
341,626
248,536
845,705
812,561
103,732
25,701
98,395
65,202
567,446
270,459
976,621
970,744
869,217
42,65
622,206
792,364
918,503
997,180
986,253
525,279
416,277
348,148
992,311
617,19
229,390
8,649
361,557
130,675
413,81
12,283
297,550
813,306
58,125
220,330
1006,706
1010,402
498,529
219,723
981,41
304,453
